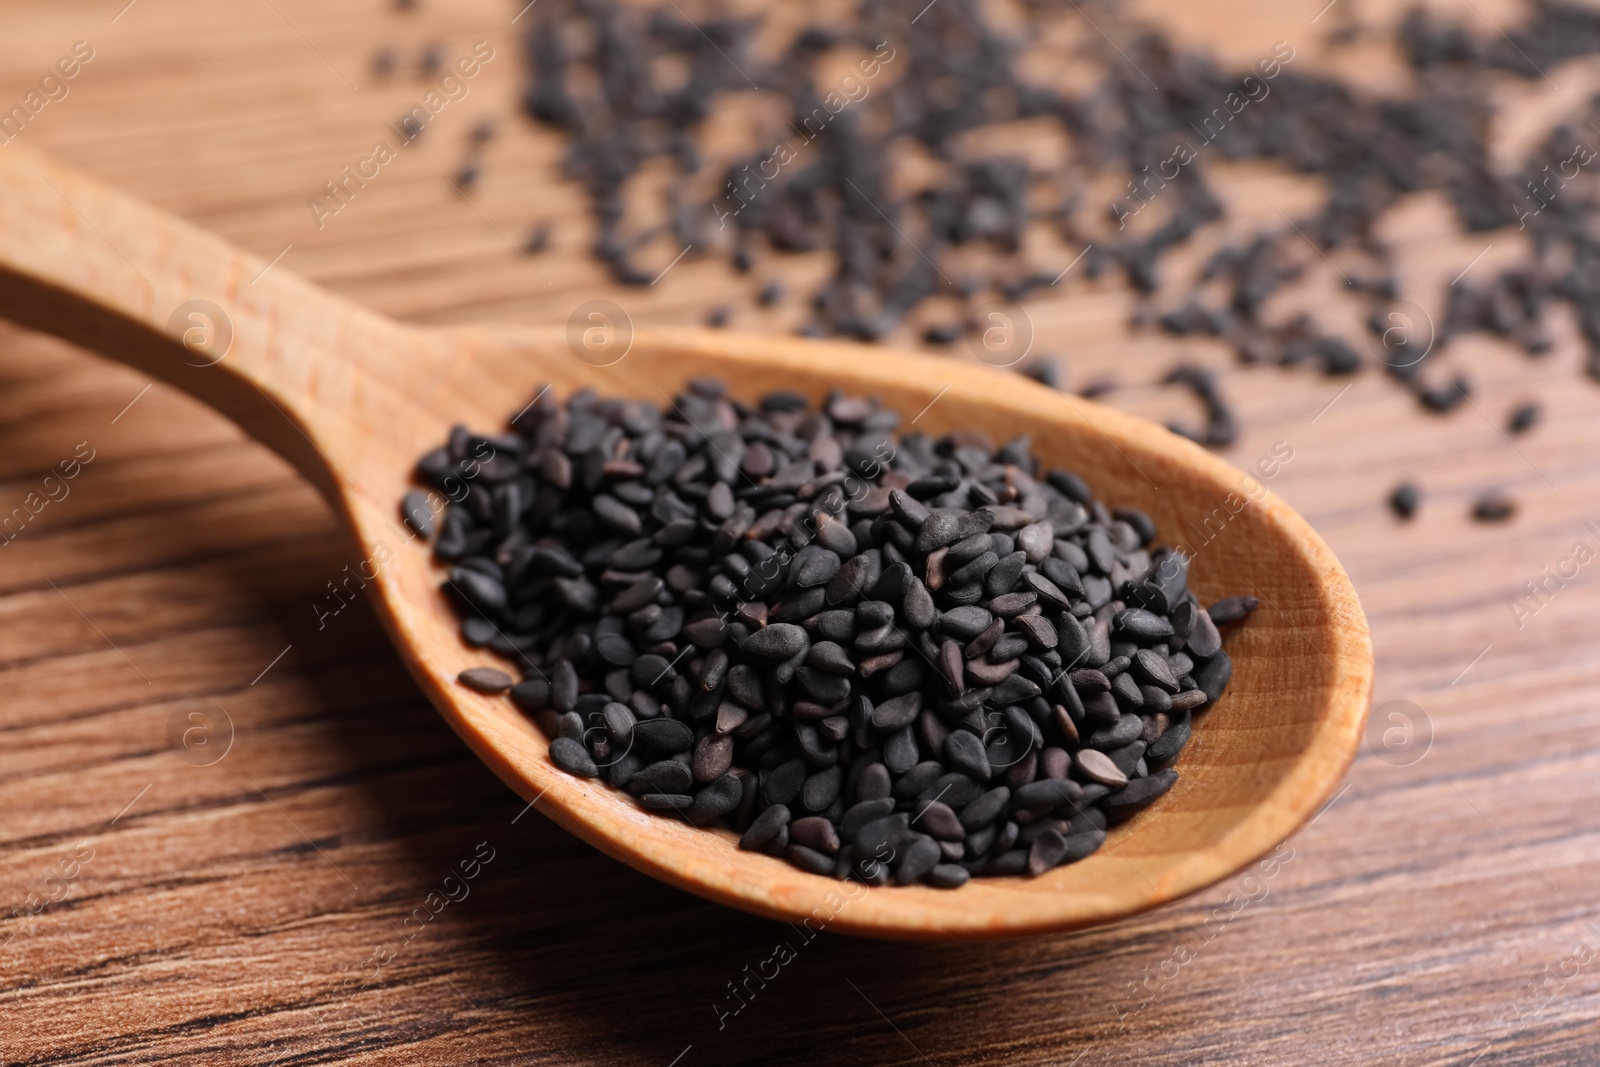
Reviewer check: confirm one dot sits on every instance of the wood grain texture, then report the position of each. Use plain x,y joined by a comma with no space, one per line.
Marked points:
1437,910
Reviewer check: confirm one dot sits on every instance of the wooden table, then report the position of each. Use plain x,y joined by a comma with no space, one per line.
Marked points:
223,811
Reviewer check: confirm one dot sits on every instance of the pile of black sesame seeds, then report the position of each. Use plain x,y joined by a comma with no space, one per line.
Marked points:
878,656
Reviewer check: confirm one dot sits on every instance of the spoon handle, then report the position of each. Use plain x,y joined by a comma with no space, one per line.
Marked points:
105,271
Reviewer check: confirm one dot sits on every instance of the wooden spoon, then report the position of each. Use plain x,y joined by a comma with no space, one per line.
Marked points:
352,399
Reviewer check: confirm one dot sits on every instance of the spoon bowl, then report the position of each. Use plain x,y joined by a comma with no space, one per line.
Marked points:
351,399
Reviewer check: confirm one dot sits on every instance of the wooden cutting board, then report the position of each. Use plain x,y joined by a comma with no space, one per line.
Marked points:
234,833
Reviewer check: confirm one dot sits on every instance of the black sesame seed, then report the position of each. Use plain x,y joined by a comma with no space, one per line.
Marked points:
485,680
1523,418
1493,507
573,758
1404,500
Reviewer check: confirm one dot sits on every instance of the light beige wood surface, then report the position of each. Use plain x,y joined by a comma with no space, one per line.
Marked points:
1437,911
